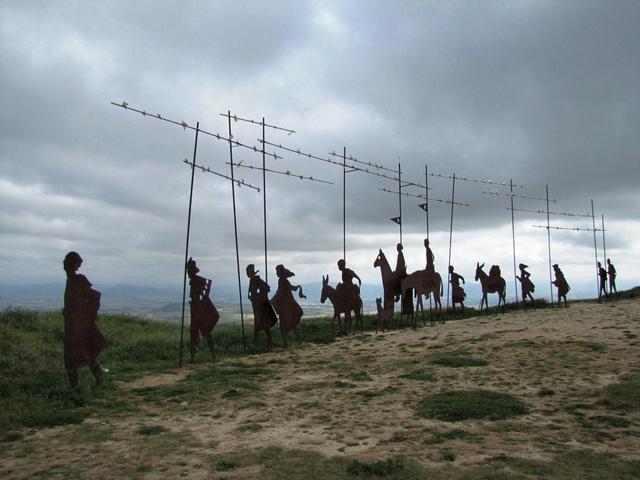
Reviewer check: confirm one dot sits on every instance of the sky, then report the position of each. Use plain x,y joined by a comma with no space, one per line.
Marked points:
541,92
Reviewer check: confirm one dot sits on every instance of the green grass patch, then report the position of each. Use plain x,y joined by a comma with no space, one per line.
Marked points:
455,434
148,430
456,360
422,375
457,405
623,396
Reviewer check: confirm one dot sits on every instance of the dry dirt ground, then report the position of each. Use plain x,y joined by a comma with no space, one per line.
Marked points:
350,399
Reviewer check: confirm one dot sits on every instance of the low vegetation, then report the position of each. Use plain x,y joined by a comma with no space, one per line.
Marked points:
457,405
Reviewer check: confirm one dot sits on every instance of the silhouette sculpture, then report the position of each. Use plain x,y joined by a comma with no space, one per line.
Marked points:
406,306
83,341
612,277
602,274
561,284
422,283
264,316
343,303
384,315
526,284
457,292
204,315
289,311
492,283
390,281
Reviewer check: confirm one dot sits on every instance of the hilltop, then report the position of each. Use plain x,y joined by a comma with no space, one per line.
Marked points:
550,393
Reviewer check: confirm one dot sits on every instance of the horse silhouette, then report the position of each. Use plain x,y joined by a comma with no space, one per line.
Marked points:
423,283
341,305
493,283
390,280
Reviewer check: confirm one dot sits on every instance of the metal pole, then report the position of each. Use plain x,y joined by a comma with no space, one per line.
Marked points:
513,238
344,205
426,212
453,196
264,203
235,228
426,196
549,245
604,245
400,199
595,250
186,249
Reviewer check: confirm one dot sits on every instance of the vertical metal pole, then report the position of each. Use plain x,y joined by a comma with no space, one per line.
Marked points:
513,238
595,250
426,211
453,196
549,245
264,203
186,248
400,199
344,205
235,228
604,246
426,196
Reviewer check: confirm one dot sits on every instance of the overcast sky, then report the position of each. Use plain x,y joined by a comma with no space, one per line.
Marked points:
541,92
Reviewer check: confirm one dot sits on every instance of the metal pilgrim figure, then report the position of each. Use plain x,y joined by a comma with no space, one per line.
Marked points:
527,285
457,292
204,315
492,283
83,341
561,284
612,277
289,311
264,316
345,298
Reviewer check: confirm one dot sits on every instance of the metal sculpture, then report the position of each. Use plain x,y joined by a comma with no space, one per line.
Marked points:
204,315
612,277
264,316
83,341
289,311
602,275
492,283
457,292
406,305
384,315
561,284
422,283
342,304
525,282
390,280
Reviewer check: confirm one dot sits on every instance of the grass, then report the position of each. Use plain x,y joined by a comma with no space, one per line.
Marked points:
456,360
419,374
383,468
457,405
623,396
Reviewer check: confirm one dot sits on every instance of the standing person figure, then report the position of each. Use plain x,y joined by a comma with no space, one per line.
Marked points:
526,284
561,284
602,274
612,277
264,317
289,311
83,341
204,315
457,292
430,257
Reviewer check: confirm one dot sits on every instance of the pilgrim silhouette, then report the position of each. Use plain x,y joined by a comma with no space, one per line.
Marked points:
264,316
602,274
525,283
288,310
83,341
457,292
204,315
492,283
612,277
561,284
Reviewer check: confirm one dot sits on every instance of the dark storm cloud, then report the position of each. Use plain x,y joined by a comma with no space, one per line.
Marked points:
541,92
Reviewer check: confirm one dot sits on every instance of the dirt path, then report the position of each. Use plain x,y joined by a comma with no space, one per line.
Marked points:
353,398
